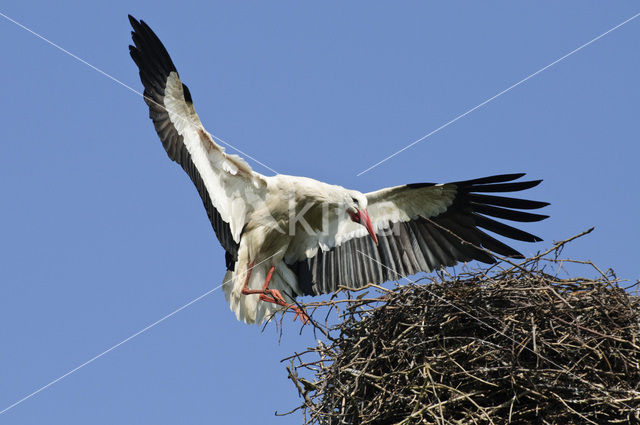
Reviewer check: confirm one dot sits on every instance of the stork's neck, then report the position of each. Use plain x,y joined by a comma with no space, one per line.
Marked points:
304,204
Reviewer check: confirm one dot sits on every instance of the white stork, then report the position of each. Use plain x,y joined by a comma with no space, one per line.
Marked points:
287,236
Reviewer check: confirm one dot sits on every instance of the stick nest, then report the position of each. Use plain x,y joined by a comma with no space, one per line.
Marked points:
502,345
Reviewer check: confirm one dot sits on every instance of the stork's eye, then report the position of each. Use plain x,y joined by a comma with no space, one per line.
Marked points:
355,201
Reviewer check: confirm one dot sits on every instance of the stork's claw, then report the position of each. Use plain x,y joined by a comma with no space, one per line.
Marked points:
274,296
277,296
300,312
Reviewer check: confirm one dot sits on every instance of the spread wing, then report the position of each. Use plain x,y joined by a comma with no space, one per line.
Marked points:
223,181
420,227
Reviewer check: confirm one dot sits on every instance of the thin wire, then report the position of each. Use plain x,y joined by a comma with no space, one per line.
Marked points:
95,68
233,147
113,347
498,95
164,317
494,329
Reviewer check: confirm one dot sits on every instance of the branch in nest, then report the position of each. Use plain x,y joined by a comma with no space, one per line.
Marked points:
498,345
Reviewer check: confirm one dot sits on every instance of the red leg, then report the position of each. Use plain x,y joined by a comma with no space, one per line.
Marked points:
245,288
265,287
271,295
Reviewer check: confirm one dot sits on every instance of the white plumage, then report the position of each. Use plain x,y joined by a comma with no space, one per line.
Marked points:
314,237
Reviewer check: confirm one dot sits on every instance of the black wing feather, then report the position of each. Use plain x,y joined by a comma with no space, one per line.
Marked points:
428,243
155,65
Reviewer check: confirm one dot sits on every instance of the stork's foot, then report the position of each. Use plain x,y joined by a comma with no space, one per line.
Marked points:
274,296
300,312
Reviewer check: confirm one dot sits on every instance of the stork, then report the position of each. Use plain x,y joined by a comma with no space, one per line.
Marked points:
287,236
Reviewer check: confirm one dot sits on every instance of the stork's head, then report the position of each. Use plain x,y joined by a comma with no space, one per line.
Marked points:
357,210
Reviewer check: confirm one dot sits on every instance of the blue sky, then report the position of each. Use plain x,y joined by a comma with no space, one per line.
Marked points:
102,235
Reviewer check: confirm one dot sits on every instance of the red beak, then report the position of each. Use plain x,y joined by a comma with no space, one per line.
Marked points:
366,222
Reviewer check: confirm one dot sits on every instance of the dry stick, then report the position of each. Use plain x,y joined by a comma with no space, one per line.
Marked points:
505,335
558,246
598,333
